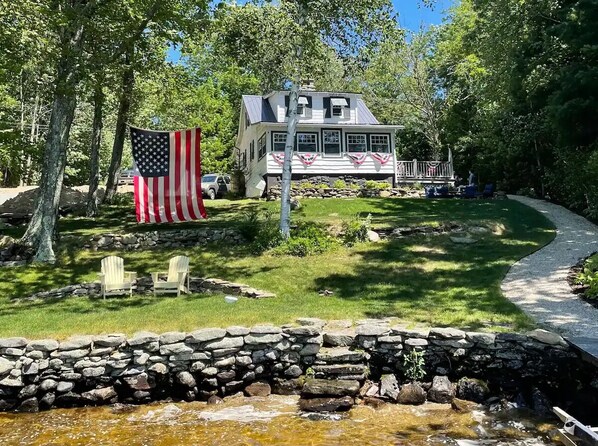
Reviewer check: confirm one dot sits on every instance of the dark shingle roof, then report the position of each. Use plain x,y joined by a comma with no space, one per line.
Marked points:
258,109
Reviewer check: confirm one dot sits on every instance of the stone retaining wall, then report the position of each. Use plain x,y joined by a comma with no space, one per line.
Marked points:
181,238
330,192
144,285
112,368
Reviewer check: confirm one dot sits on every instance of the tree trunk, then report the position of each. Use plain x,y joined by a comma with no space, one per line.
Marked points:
94,158
40,230
287,167
128,80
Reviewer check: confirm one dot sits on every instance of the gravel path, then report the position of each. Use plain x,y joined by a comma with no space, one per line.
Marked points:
538,283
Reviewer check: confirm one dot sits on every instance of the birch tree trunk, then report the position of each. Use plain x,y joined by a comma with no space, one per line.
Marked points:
40,231
287,167
128,80
94,157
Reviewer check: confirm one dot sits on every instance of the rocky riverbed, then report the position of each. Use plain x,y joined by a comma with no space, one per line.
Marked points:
273,420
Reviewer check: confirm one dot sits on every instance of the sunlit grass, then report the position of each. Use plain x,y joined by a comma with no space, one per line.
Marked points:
419,279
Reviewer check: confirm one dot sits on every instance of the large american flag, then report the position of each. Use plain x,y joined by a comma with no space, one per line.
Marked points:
168,188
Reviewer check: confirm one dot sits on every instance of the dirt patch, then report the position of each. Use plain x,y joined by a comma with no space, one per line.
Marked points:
24,203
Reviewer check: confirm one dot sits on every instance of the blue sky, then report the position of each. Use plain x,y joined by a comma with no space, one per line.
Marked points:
412,15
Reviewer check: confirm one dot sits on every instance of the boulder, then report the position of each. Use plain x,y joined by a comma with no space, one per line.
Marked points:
258,389
186,379
326,387
341,404
29,405
139,382
172,337
43,345
472,389
13,342
338,339
389,387
109,340
460,405
214,400
293,371
547,337
373,236
100,395
205,335
411,393
6,366
442,390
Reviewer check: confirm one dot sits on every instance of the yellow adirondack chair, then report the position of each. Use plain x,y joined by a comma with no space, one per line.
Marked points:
114,279
176,280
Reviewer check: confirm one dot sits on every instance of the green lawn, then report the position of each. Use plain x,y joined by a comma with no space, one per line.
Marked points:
420,279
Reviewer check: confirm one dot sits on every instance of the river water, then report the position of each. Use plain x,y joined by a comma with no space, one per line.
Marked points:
270,421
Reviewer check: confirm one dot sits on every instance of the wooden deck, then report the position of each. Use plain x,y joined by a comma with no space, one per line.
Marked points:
425,172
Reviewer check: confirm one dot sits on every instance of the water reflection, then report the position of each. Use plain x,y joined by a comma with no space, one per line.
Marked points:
270,421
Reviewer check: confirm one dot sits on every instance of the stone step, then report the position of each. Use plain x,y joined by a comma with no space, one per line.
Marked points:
340,369
327,387
338,355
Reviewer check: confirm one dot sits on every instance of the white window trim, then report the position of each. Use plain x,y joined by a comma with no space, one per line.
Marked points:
296,148
385,136
273,142
342,109
365,137
340,143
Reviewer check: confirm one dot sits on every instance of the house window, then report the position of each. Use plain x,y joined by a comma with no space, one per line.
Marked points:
338,106
251,150
357,143
243,161
247,121
279,140
307,142
331,142
380,143
261,144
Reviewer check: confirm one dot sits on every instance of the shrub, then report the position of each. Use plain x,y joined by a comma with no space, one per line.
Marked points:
383,185
371,184
306,239
356,229
354,186
261,230
307,185
417,186
589,277
322,186
414,364
339,184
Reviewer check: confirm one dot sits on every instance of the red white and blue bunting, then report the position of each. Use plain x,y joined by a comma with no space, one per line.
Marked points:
431,167
278,157
382,158
307,158
357,158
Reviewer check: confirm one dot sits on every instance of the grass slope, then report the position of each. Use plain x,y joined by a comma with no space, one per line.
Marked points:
420,279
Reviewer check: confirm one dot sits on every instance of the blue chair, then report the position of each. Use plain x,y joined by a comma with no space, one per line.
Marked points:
469,192
488,191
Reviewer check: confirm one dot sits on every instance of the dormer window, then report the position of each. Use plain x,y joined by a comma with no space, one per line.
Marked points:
338,106
303,105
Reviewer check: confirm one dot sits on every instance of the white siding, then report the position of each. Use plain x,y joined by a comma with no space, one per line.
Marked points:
334,165
317,113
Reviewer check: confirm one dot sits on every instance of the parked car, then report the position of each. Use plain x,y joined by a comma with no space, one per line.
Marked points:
215,185
126,176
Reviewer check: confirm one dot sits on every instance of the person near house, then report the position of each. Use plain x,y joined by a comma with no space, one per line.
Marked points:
471,178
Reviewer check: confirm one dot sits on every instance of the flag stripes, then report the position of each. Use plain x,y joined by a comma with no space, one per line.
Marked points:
174,197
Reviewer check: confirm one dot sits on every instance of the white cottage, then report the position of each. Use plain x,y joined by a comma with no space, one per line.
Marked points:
337,135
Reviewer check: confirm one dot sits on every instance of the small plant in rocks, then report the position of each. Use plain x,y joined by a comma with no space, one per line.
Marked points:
356,229
339,184
589,277
414,364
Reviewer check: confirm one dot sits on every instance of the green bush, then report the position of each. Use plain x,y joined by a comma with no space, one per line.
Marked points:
261,230
306,239
322,186
414,364
354,186
589,277
417,186
307,185
371,184
356,229
339,184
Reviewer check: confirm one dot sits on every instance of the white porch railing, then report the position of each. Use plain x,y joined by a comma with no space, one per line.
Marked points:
425,170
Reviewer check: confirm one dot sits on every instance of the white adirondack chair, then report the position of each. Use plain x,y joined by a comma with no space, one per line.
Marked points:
176,280
114,279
